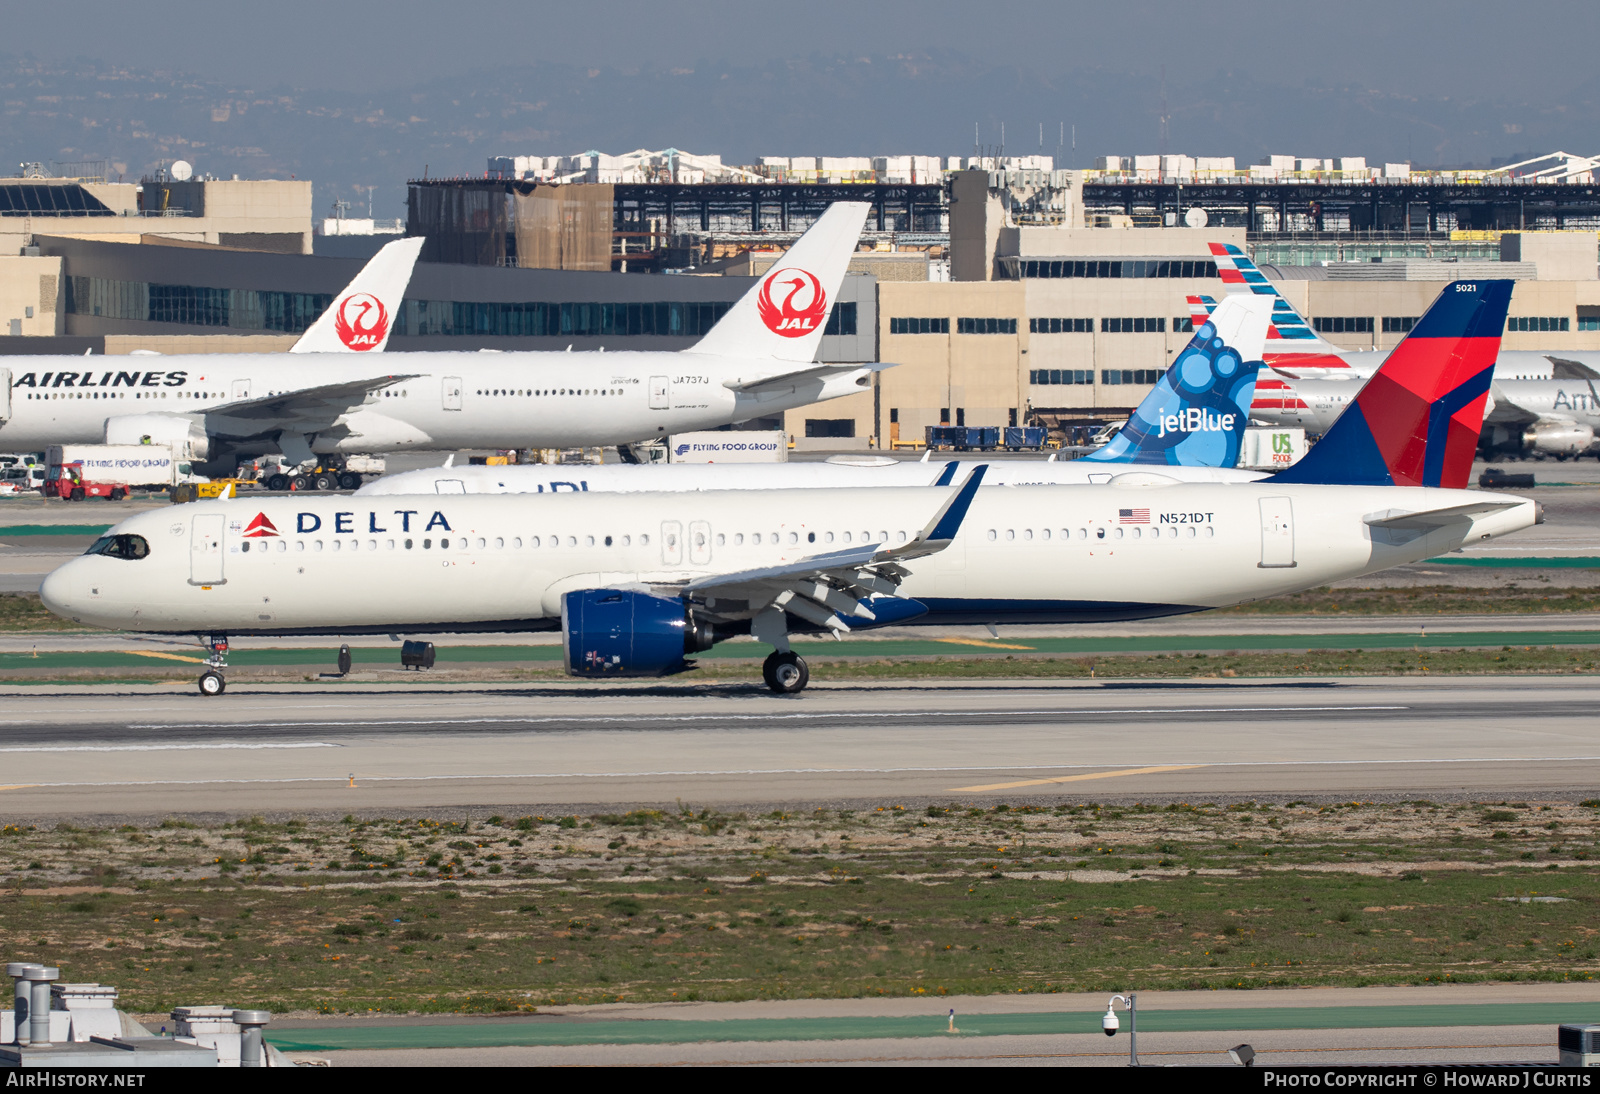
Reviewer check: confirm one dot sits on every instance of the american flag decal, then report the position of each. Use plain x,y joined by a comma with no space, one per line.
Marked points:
1133,516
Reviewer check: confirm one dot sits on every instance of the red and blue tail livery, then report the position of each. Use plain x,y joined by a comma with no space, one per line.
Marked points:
1416,422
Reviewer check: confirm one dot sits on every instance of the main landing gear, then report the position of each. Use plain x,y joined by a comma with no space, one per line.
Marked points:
785,672
212,681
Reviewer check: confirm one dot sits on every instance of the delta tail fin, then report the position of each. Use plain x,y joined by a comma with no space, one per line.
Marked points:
1416,422
782,317
360,318
1196,415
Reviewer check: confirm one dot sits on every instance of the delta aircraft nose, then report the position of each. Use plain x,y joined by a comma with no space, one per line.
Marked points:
55,590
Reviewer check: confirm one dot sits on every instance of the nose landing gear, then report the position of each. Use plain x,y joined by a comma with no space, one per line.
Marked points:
212,681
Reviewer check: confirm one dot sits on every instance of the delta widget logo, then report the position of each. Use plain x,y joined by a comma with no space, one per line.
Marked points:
261,528
804,305
361,321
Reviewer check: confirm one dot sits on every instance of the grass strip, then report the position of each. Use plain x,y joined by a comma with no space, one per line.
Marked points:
505,914
682,1031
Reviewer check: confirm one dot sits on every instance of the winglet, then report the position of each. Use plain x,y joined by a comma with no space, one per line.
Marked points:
1417,421
947,522
948,475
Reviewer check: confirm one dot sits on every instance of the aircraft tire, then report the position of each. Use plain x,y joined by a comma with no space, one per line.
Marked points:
326,481
212,683
785,673
299,482
278,482
349,480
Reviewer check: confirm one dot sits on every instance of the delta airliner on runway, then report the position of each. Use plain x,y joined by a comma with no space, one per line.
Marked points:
638,581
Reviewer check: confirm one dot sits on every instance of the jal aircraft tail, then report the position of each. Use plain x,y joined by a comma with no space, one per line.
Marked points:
1416,422
783,316
360,318
1197,414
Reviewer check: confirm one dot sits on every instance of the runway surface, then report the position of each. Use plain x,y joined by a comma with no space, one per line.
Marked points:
275,749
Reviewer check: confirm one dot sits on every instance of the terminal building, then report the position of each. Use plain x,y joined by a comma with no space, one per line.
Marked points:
1002,293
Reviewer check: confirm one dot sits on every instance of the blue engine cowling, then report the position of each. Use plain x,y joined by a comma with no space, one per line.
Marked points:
614,632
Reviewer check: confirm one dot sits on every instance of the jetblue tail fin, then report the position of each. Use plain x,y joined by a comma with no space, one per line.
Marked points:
360,318
1197,414
1416,422
783,316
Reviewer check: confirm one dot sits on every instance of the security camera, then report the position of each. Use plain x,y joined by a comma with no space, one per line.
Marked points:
1110,1023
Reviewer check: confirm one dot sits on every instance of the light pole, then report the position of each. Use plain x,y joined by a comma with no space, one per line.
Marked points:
1110,1024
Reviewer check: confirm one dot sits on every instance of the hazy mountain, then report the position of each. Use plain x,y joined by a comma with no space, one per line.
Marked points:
923,103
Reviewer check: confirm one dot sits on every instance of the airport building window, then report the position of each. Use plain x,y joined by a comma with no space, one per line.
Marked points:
1163,267
830,427
1129,375
1130,325
1342,324
1398,324
986,325
534,319
1589,322
1538,323
919,326
1060,326
195,305
1053,376
842,319
1183,324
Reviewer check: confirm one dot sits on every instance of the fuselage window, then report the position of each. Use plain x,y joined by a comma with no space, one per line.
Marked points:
444,543
427,544
1210,531
245,546
588,541
608,541
1099,533
827,537
738,539
408,544
1191,531
316,545
1117,532
755,539
572,541
794,537
847,537
644,540
722,540
333,545
1045,533
993,535
1011,534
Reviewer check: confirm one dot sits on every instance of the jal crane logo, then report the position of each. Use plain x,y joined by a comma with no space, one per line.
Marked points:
804,304
361,321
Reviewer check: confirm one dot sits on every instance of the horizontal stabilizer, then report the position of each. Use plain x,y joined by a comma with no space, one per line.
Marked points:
1436,518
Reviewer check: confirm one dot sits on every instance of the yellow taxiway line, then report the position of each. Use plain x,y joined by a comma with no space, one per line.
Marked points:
1076,778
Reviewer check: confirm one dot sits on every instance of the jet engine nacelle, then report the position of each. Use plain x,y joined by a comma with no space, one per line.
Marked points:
185,434
616,632
1558,438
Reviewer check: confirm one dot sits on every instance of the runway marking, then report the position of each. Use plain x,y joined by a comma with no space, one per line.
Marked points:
164,656
225,746
984,643
1076,778
467,777
664,718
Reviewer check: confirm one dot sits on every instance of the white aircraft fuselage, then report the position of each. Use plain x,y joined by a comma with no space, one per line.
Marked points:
440,400
1036,554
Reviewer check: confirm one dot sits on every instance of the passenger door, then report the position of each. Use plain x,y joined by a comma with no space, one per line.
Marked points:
699,542
449,486
205,550
672,543
660,393
241,389
452,393
5,395
1277,533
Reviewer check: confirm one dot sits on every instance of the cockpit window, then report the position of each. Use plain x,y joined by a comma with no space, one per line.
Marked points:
130,547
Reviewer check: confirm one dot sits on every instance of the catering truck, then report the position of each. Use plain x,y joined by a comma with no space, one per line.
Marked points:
77,471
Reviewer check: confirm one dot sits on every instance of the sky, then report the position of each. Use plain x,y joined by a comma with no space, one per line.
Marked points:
1408,47
361,97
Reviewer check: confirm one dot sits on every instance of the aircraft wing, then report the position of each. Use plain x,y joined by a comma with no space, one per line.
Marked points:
787,380
1502,411
1563,369
306,409
821,588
